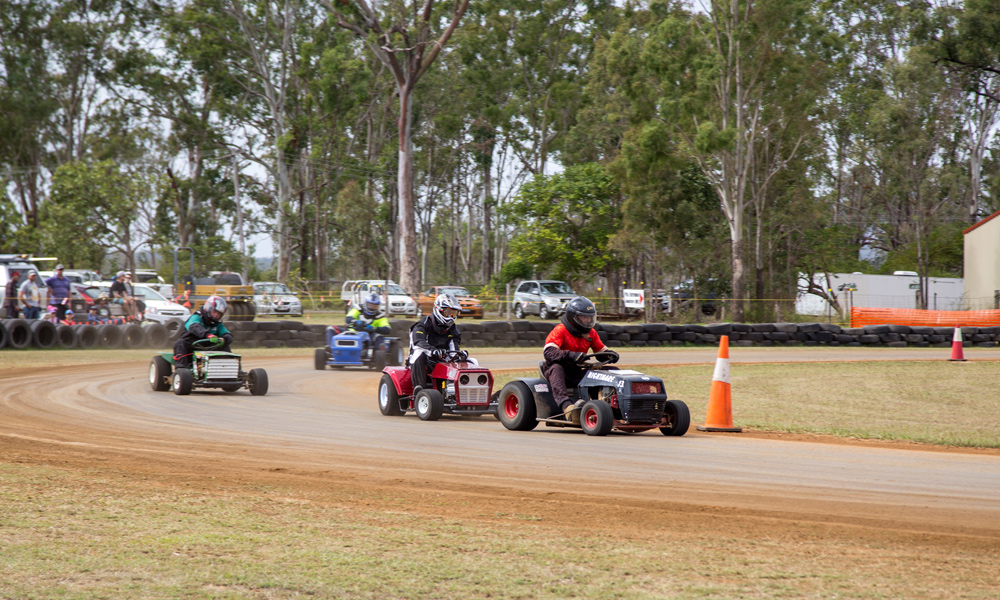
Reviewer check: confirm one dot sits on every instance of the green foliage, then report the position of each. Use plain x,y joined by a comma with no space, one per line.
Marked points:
567,221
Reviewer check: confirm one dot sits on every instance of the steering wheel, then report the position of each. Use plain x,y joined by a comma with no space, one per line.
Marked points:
595,360
205,344
455,356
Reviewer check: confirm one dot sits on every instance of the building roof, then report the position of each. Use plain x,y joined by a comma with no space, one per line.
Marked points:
983,222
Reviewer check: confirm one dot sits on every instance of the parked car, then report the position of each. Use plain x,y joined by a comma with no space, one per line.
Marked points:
471,306
397,301
274,298
543,297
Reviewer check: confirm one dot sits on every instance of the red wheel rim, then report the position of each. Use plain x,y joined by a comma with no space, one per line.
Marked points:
511,405
590,418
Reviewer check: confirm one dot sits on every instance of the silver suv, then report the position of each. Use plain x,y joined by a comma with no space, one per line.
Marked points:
543,297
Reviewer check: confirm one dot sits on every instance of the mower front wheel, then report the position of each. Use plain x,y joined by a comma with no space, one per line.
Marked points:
182,382
597,418
678,418
257,382
429,404
320,359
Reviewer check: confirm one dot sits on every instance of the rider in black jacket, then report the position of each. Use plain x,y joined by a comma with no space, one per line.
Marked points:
431,338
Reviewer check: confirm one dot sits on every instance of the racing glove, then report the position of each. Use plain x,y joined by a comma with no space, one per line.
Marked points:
577,357
438,353
463,355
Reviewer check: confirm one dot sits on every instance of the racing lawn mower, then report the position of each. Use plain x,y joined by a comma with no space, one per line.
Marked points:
352,348
611,398
458,387
210,368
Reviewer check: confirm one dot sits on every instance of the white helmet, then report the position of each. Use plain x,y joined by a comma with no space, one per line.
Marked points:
214,303
446,308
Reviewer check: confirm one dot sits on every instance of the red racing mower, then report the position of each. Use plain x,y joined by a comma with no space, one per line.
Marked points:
459,387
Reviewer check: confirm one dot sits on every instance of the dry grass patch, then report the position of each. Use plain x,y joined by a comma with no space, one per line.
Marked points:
68,535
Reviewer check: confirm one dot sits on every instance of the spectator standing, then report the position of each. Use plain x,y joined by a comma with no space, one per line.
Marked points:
30,297
59,291
10,295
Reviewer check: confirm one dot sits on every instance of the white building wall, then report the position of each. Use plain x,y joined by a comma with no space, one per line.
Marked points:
881,291
982,263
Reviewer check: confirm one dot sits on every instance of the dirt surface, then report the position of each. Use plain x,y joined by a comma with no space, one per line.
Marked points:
320,432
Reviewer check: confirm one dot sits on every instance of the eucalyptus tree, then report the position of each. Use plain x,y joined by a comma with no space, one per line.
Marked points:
407,39
963,38
28,103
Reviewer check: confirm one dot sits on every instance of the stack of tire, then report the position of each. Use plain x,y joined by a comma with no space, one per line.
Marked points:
276,334
18,334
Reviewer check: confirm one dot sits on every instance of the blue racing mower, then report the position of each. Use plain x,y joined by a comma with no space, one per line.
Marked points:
350,348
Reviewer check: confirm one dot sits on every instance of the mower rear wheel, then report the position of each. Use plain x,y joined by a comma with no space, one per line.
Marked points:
429,404
379,359
159,374
678,418
388,398
395,354
597,418
516,407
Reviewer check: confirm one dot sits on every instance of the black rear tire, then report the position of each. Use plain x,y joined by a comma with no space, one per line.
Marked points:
159,374
678,418
388,397
429,404
516,407
597,418
379,360
395,353
319,360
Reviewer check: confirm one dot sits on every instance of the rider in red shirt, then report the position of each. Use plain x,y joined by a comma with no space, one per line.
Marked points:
567,345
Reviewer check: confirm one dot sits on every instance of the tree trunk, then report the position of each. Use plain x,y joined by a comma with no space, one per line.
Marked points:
409,264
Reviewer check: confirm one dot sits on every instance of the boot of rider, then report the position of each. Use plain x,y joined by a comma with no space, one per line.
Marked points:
572,411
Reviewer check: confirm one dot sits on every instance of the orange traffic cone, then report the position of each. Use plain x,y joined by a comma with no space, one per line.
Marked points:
956,345
720,399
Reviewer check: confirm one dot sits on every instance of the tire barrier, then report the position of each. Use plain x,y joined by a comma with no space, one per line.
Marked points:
43,334
133,336
531,334
157,335
110,336
66,336
87,337
3,337
18,333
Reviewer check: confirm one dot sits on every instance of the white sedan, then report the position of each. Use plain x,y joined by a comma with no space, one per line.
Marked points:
159,309
276,299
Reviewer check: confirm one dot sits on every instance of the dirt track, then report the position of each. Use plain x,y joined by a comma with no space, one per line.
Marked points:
322,429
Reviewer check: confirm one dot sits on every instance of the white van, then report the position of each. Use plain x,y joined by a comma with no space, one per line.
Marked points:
396,300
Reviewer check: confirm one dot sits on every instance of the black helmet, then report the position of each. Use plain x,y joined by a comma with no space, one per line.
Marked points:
581,314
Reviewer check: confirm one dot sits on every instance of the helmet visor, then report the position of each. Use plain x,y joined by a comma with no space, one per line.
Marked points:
585,321
449,313
371,307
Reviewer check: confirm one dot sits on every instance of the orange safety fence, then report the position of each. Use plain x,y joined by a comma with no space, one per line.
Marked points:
861,316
